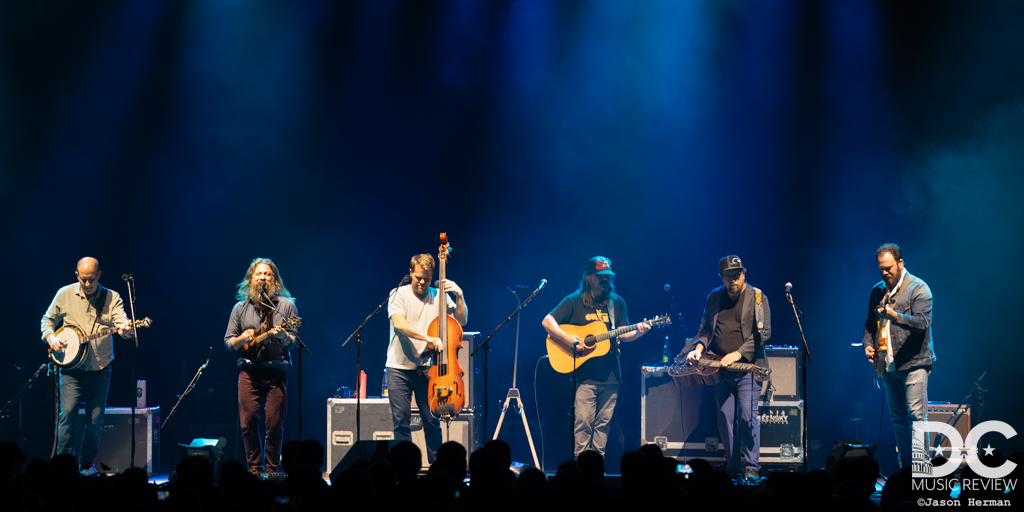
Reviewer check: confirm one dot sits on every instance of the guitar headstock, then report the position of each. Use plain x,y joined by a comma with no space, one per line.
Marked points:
444,252
662,320
292,322
145,322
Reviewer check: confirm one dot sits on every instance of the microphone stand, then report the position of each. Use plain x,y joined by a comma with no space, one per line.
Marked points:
358,335
130,281
5,411
298,341
960,409
181,398
513,392
805,355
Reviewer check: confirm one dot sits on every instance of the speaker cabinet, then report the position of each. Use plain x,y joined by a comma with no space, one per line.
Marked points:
945,412
374,422
785,364
461,430
116,441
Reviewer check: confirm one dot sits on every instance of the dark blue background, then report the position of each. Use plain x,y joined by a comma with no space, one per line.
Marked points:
176,141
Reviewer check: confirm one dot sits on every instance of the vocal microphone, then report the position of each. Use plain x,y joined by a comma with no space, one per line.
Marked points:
543,283
789,287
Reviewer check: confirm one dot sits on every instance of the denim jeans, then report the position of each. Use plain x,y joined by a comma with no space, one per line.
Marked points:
907,394
595,405
402,384
77,386
739,392
266,387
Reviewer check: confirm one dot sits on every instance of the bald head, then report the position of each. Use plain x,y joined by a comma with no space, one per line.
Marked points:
88,274
88,263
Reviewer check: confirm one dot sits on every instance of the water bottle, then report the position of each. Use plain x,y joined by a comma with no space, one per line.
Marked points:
384,384
666,353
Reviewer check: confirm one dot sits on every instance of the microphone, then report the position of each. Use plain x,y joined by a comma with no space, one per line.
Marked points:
789,287
543,283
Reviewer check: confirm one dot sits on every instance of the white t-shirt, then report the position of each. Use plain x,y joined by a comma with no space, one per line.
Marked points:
405,352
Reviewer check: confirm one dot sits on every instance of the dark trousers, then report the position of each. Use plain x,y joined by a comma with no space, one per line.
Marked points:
77,386
738,392
401,386
267,387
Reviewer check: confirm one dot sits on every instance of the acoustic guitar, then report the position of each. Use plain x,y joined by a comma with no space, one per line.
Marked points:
596,342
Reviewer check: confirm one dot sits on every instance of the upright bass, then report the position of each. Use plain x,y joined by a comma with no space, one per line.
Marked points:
446,390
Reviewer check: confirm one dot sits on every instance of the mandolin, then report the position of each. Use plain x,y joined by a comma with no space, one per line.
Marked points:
253,350
445,390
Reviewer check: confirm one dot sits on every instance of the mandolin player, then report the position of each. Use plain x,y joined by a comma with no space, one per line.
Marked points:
735,325
91,308
255,333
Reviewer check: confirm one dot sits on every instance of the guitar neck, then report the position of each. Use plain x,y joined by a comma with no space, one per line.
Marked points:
617,332
105,332
743,367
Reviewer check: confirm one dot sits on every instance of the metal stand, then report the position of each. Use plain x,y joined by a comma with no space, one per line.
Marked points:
358,335
181,398
513,392
805,355
5,411
130,281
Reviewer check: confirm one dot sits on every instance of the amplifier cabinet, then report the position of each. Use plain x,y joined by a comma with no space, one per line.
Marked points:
114,455
374,422
945,412
785,364
461,430
781,431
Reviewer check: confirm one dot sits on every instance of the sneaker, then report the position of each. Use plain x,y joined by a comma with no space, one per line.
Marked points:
750,475
89,470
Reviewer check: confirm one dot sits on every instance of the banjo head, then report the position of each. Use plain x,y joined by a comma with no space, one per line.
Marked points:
75,351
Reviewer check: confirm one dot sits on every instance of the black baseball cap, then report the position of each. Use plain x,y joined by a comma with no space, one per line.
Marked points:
730,262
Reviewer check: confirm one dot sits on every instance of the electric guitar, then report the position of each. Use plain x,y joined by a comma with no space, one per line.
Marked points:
882,344
253,350
596,342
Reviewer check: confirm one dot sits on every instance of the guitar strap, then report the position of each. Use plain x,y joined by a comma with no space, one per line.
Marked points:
897,292
615,342
759,319
100,299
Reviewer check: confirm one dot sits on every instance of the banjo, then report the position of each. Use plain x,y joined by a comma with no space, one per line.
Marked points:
76,343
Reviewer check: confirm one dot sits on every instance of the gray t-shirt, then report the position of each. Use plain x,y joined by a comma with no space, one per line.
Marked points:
404,352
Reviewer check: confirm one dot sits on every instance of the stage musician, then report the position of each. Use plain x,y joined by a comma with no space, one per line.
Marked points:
91,308
910,356
598,378
735,325
412,308
263,303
